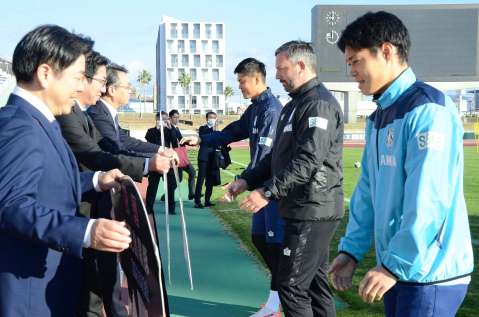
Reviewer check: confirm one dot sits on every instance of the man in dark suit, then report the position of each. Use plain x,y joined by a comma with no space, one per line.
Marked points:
105,116
42,239
189,169
208,171
153,135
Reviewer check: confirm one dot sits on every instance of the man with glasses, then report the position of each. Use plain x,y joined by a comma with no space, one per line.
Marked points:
105,113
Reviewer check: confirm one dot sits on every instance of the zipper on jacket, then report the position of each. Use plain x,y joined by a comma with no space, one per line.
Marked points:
377,121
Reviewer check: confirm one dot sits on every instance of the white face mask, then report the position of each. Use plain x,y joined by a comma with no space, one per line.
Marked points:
158,124
211,122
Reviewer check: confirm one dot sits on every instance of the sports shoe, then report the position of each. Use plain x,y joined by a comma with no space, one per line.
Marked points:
266,312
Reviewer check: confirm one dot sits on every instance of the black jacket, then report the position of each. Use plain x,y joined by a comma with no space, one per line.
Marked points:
153,135
89,148
205,152
304,169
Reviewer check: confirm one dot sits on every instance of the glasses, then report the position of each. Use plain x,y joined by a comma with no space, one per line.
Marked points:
101,81
127,87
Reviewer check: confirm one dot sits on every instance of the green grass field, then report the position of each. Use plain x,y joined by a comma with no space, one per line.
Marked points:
239,223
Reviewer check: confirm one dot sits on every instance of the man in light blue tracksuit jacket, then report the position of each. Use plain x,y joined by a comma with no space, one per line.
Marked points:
409,197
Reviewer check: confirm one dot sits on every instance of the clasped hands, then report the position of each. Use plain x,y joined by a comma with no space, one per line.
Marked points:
254,202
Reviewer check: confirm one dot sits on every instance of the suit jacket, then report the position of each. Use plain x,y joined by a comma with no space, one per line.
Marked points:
153,135
86,143
205,151
41,238
103,121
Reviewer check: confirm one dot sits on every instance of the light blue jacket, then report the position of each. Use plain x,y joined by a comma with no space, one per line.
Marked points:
409,197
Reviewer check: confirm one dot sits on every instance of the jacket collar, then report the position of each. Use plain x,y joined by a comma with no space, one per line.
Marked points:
305,88
265,95
396,89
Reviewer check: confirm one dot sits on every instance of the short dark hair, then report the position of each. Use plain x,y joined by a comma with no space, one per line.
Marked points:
299,50
112,73
93,61
47,44
164,113
210,112
372,30
251,66
173,112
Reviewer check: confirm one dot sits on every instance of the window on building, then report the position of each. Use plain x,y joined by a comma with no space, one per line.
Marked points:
219,88
193,46
219,31
171,74
184,30
204,74
171,48
180,71
181,46
197,60
196,30
215,74
174,88
209,88
174,60
204,46
171,102
216,102
209,61
219,60
194,102
193,74
185,60
173,31
204,101
197,88
181,102
208,31
216,47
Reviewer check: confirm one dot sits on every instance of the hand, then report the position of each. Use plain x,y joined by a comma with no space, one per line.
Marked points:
341,272
170,153
160,163
375,283
109,235
255,201
233,189
110,179
190,140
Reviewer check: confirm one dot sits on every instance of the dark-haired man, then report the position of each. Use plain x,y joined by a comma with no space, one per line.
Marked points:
42,240
258,123
409,197
105,113
303,173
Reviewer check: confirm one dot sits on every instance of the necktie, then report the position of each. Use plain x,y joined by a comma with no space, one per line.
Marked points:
117,126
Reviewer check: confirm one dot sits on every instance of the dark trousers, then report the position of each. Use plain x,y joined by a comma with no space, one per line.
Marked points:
202,171
303,282
190,170
406,300
270,252
153,183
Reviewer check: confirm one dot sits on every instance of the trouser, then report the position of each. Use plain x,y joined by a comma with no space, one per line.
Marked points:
270,252
153,183
303,283
412,300
190,170
202,169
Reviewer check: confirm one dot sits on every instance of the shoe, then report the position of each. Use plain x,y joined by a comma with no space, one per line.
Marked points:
208,204
199,205
266,312
162,198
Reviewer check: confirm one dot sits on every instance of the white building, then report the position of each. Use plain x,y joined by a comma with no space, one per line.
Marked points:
197,48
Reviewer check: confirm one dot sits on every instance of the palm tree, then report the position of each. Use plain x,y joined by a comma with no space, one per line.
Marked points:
185,83
144,78
228,93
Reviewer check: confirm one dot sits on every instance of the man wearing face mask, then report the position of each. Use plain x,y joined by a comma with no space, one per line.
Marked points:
153,135
207,171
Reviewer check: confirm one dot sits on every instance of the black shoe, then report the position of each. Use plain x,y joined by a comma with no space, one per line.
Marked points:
199,205
209,204
162,198
191,197
172,212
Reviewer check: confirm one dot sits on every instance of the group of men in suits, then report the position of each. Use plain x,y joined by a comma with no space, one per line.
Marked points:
55,233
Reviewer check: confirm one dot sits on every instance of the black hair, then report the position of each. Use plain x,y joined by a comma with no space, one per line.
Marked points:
210,112
93,61
250,66
47,44
372,30
173,112
112,73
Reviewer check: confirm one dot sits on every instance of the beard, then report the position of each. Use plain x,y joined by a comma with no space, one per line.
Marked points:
288,85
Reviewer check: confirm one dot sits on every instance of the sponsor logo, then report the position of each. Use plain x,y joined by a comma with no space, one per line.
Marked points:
288,128
387,160
265,141
318,122
430,140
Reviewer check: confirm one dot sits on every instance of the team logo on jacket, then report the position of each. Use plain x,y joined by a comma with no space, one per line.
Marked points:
390,138
287,251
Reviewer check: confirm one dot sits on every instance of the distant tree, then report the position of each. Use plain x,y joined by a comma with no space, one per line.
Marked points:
228,94
144,78
185,83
